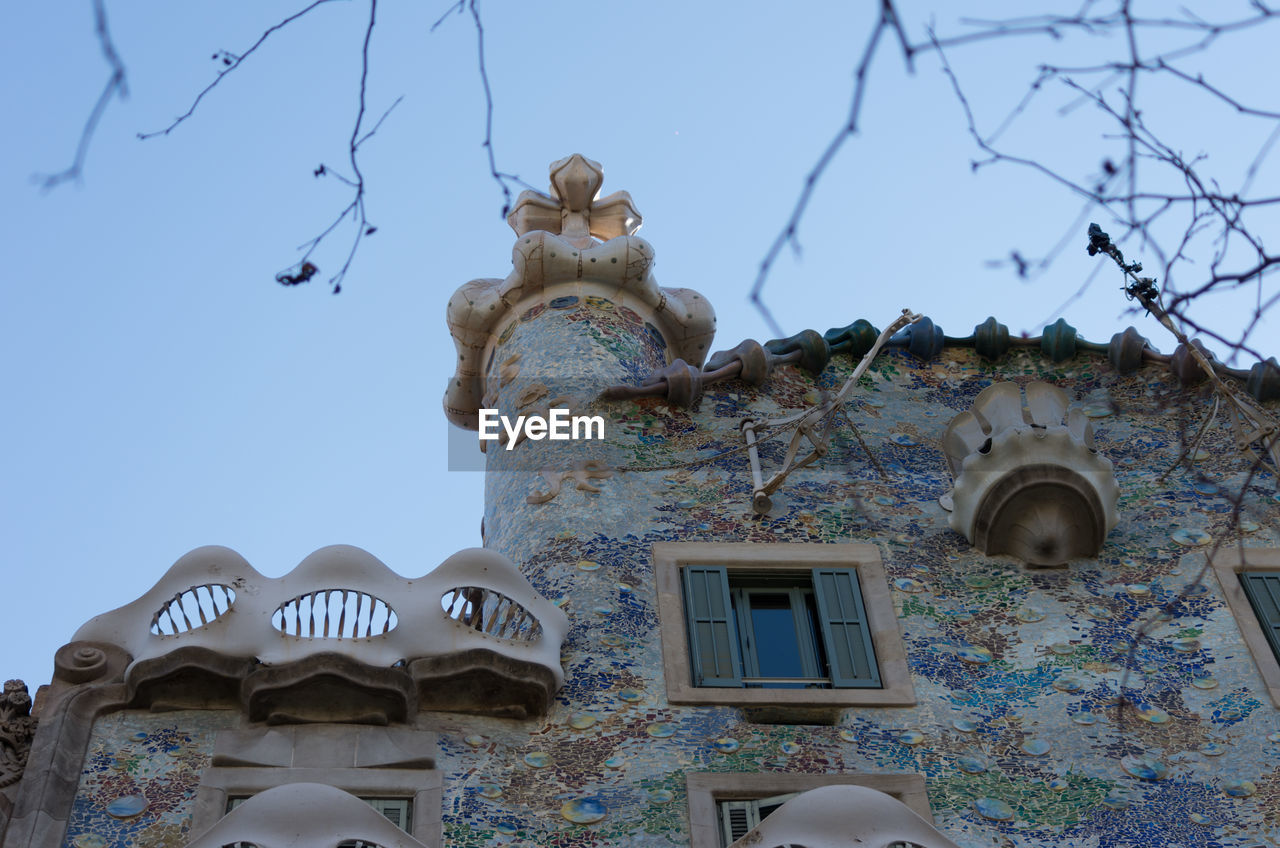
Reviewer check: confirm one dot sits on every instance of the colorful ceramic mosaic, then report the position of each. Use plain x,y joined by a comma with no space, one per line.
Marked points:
1040,719
1021,729
140,778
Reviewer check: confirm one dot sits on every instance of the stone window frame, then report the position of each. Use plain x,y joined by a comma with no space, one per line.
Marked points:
1227,566
706,790
423,787
774,557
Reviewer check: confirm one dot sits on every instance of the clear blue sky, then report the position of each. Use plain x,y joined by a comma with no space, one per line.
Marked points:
162,392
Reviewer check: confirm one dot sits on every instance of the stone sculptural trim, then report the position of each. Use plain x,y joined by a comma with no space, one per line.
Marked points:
1026,483
557,246
472,635
841,815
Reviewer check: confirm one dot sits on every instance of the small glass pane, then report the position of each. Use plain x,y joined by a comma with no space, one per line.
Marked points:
777,648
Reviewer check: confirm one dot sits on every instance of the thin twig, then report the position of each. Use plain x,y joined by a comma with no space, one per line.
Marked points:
236,62
116,86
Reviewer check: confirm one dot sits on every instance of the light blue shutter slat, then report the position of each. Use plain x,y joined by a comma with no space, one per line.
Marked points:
844,629
1263,590
713,640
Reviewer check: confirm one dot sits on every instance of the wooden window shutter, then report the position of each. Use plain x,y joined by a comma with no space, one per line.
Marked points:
844,628
713,638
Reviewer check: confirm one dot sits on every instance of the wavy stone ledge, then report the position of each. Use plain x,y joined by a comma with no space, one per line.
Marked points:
240,659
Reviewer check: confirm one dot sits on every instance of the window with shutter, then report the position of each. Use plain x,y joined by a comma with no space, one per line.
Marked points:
1250,580
737,818
796,630
1263,590
789,627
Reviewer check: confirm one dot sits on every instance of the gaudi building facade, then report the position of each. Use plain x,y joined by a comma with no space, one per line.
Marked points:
874,587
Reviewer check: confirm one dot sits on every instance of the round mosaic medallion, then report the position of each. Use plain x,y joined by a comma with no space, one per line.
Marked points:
1213,749
1030,614
1084,718
1057,784
581,721
1191,538
489,790
1239,788
537,759
661,796
661,730
127,806
631,696
725,745
583,811
588,565
1149,712
475,741
1116,802
1035,747
908,584
974,654
1070,683
911,737
848,735
1144,766
1185,645
789,748
971,764
1205,682
964,725
993,809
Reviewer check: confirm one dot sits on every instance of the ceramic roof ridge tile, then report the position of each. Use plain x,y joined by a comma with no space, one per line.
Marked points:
1059,342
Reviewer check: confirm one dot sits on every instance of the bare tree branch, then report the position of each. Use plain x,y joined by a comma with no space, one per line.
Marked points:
356,208
231,61
888,19
115,86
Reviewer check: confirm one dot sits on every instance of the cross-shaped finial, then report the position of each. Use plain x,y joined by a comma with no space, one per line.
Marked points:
572,211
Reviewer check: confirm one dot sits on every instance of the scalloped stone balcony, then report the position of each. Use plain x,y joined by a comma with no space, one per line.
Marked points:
321,643
311,814
839,816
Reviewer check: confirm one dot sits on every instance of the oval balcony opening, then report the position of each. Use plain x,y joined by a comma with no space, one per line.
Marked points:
192,608
491,613
335,614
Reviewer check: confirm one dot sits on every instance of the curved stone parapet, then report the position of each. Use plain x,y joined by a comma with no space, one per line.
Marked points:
557,248
342,625
1027,480
840,816
310,814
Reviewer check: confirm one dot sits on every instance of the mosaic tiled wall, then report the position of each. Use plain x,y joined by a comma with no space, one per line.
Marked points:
140,778
1019,730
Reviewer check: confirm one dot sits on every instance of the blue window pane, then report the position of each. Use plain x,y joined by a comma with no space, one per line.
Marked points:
777,648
